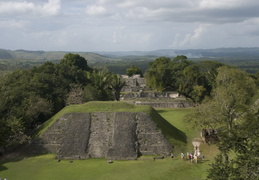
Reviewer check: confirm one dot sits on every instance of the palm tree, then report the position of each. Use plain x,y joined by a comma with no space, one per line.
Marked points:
117,84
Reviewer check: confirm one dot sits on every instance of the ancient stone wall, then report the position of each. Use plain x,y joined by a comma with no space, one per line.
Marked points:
166,104
111,135
151,95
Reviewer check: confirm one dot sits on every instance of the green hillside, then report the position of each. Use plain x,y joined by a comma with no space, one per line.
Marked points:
50,55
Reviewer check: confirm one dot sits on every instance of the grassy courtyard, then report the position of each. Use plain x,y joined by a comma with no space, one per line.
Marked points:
47,167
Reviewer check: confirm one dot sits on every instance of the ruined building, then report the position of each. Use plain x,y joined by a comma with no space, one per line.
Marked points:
137,92
111,135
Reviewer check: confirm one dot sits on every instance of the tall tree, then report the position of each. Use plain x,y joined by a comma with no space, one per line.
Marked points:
229,110
158,74
133,70
230,99
75,60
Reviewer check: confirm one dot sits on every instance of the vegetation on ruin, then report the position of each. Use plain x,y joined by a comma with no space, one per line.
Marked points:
175,136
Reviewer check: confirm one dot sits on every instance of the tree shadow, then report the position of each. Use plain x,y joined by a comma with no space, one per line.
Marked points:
202,161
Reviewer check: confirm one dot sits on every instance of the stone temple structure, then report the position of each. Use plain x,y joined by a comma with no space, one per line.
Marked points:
110,135
138,93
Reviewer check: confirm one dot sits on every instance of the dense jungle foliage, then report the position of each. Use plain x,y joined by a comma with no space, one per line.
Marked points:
195,80
30,96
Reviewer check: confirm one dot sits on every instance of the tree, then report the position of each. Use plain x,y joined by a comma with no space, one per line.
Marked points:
244,142
99,87
75,96
230,111
193,80
117,84
198,93
133,70
221,169
230,99
29,97
158,74
75,60
199,79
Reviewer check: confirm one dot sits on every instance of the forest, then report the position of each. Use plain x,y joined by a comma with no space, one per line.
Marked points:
226,98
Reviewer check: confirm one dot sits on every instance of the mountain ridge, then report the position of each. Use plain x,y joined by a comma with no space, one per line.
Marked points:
238,52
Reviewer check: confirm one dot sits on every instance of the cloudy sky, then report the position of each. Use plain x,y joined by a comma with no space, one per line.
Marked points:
126,25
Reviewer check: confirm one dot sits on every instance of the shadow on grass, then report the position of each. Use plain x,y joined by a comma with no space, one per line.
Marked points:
202,161
161,111
2,168
17,154
170,131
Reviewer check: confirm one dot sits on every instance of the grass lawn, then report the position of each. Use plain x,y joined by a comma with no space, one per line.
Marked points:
46,166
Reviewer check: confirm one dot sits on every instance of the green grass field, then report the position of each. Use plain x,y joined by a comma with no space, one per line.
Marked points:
46,167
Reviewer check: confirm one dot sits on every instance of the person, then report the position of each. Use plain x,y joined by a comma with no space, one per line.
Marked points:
203,157
182,155
195,158
172,155
198,153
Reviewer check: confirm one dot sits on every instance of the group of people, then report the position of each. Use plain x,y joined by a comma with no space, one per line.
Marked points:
191,157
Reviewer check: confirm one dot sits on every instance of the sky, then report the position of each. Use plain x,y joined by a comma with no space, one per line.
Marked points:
128,25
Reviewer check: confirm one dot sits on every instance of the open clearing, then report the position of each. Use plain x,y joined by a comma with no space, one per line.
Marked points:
46,166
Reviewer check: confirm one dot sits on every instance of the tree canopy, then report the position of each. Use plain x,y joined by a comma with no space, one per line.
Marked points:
194,80
231,110
133,70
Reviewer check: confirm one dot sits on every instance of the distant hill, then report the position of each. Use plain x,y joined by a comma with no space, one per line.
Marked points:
50,55
100,56
192,53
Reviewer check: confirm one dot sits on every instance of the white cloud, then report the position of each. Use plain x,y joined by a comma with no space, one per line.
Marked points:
96,10
189,39
52,7
16,7
223,4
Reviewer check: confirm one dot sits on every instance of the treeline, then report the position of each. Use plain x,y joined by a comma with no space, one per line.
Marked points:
29,97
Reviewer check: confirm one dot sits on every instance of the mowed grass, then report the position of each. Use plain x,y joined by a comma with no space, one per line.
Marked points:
46,166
